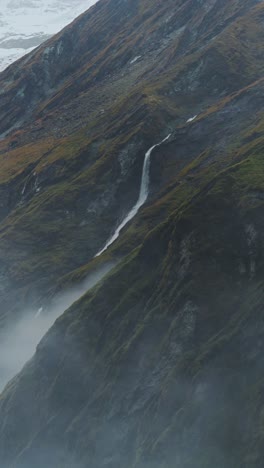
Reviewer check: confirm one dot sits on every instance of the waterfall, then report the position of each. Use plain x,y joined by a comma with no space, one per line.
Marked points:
143,195
22,338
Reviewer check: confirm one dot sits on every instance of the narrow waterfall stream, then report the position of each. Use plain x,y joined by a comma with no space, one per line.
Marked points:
22,338
143,195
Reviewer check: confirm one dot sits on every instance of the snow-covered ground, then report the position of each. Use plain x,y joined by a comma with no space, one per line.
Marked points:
24,24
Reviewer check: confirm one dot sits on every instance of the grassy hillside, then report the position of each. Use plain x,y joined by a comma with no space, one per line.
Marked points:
153,366
160,358
73,168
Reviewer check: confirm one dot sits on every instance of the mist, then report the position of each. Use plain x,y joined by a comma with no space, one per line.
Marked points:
22,338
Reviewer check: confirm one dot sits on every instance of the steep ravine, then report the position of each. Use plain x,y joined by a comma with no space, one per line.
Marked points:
142,197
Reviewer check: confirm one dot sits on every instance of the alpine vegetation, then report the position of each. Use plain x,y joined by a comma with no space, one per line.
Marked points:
131,236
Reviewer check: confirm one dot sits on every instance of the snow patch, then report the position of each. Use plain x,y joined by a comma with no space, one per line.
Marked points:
135,59
191,119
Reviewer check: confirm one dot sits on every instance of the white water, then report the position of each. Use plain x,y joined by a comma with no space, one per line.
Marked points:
22,338
143,195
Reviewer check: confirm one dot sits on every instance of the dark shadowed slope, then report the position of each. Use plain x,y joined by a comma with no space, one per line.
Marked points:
160,365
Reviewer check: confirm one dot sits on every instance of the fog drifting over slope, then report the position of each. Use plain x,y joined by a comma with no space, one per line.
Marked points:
24,24
21,339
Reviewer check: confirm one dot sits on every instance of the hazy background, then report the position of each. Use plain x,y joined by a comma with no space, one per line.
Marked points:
24,24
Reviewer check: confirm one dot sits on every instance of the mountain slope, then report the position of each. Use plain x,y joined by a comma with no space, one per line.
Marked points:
88,115
153,365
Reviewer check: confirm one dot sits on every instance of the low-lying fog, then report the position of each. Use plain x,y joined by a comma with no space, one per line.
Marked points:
21,339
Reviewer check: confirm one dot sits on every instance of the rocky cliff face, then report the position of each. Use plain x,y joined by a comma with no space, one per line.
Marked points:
160,364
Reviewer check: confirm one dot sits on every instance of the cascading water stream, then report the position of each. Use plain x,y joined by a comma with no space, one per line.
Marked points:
143,195
22,339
